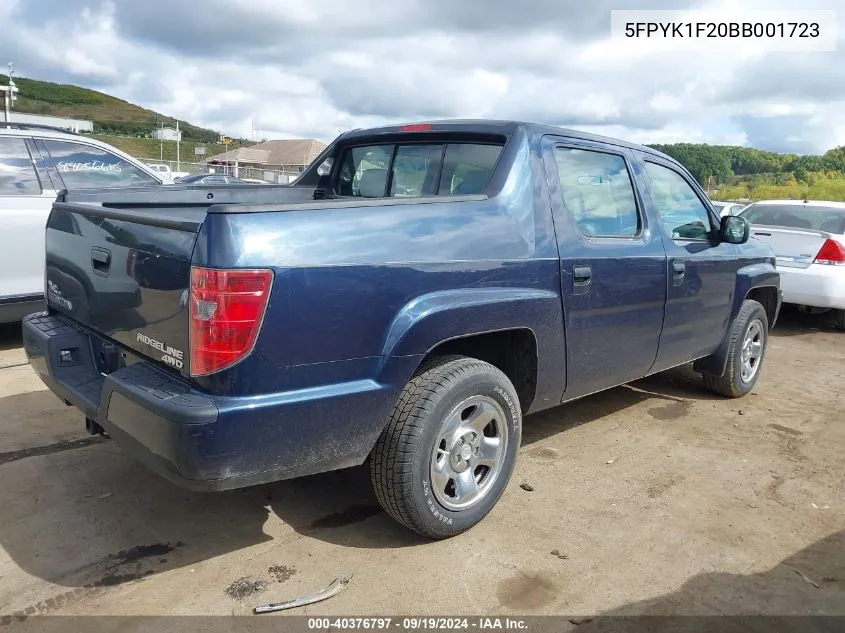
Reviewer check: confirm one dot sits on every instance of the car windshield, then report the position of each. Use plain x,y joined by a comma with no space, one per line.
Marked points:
797,216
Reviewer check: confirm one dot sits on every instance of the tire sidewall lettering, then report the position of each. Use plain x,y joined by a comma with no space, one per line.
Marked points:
509,402
433,506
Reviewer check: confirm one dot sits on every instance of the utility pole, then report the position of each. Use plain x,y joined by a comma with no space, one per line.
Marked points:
9,93
161,141
178,139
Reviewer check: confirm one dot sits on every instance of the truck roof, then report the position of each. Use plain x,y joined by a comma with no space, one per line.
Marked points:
494,126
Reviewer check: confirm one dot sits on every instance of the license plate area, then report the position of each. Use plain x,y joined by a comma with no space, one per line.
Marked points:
108,357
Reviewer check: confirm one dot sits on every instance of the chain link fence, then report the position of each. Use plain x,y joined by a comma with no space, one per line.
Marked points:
253,173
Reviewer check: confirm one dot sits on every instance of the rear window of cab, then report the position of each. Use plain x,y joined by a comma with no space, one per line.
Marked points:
795,216
416,169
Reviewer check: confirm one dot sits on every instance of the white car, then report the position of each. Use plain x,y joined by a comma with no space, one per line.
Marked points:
727,208
36,162
808,239
168,176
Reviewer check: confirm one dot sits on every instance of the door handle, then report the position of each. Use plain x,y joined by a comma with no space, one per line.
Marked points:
582,275
100,261
678,272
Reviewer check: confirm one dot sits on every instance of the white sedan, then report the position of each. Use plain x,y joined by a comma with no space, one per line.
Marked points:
36,162
808,239
727,208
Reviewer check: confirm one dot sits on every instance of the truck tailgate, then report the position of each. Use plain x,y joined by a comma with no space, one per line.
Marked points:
793,248
125,274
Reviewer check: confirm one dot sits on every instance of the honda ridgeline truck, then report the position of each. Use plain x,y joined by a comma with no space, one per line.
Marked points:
404,304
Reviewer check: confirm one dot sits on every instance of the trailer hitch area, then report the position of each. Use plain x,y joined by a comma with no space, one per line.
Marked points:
95,429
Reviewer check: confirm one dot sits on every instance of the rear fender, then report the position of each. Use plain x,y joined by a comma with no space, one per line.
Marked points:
431,319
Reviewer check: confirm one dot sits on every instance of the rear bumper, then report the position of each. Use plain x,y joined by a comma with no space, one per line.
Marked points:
201,441
818,285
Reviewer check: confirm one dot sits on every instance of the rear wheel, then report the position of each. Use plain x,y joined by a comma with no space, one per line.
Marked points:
840,319
749,335
450,447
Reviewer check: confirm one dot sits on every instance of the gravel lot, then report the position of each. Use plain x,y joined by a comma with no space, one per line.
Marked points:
658,497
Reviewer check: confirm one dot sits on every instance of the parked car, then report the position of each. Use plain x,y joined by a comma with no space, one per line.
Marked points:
168,176
35,163
163,171
330,323
808,239
727,208
209,179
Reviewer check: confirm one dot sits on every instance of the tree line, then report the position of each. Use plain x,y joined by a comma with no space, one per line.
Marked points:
723,162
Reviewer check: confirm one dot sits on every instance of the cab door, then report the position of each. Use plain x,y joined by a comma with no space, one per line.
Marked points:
612,262
700,269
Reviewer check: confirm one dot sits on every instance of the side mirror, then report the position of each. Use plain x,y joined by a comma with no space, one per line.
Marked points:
325,168
734,229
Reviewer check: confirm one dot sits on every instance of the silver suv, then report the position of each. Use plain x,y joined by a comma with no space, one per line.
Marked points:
36,162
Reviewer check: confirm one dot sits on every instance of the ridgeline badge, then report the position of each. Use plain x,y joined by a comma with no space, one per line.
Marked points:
172,356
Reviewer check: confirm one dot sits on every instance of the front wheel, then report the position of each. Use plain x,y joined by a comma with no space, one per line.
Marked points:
749,335
450,447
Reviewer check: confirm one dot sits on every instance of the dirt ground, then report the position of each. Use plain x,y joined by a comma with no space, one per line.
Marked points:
658,497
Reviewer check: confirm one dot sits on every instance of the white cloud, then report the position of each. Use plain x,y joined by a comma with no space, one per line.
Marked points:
311,69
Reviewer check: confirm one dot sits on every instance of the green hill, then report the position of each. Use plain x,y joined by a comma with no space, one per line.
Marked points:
110,115
151,149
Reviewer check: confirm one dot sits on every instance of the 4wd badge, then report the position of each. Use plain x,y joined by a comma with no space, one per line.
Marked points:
172,356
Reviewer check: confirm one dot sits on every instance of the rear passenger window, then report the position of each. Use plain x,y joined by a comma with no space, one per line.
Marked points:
598,192
683,214
17,173
467,168
797,216
84,166
363,171
414,170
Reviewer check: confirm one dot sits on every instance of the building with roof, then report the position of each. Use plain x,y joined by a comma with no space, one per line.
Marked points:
167,134
66,123
288,155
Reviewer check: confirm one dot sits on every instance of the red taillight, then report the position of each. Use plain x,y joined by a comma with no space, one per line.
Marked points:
416,127
227,307
832,252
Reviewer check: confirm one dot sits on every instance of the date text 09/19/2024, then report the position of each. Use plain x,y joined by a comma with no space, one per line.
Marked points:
418,623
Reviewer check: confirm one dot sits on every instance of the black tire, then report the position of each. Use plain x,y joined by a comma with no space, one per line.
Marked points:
840,319
402,458
730,383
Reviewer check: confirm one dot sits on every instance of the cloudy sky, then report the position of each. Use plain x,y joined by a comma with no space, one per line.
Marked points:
312,68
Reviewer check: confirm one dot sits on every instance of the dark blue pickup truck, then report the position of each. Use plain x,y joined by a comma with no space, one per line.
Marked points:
404,303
